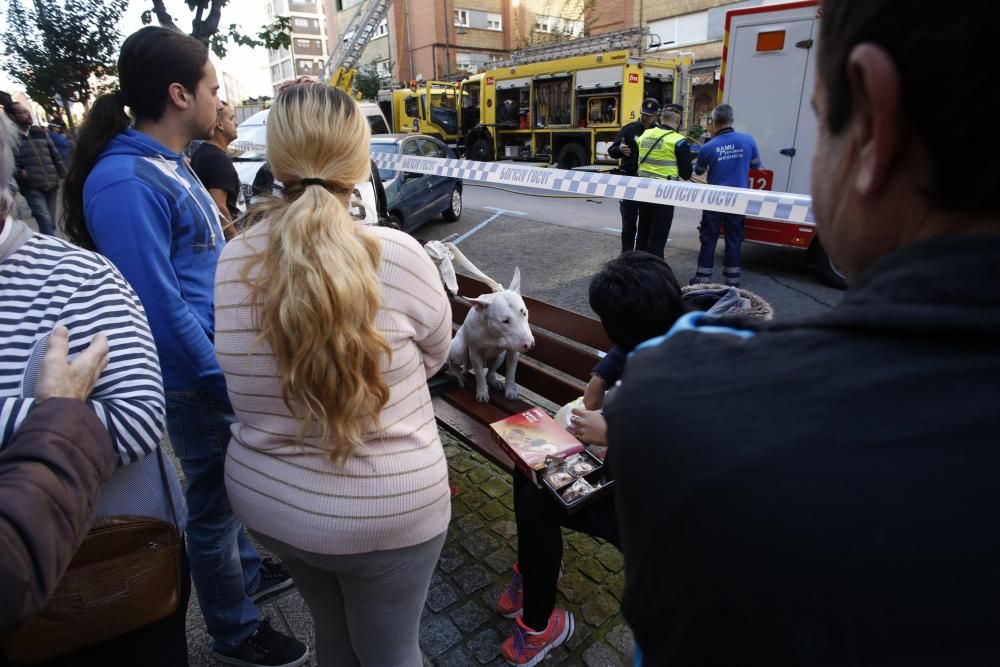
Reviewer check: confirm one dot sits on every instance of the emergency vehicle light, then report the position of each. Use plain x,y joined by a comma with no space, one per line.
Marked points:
773,40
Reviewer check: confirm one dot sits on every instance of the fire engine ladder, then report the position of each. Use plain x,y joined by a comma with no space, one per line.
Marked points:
340,67
632,38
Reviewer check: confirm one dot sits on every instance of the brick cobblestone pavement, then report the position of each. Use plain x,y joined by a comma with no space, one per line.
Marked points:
460,627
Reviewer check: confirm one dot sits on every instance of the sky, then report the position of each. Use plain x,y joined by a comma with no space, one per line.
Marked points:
246,64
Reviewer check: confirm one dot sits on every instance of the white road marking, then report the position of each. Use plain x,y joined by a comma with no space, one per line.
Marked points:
499,212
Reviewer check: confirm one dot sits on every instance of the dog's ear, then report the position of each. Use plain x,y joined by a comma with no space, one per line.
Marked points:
515,282
481,302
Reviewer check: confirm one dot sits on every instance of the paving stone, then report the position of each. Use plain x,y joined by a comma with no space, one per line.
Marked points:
481,473
451,537
599,655
469,616
582,544
599,608
440,596
457,657
480,544
616,585
556,656
495,487
472,578
437,635
501,560
610,557
580,636
485,646
451,559
621,639
467,523
575,586
476,500
505,529
507,501
451,450
492,594
462,463
435,580
593,569
492,510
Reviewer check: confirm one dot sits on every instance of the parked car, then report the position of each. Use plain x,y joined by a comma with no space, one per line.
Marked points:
248,153
414,199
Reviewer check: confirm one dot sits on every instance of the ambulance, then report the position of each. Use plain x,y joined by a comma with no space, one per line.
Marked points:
768,73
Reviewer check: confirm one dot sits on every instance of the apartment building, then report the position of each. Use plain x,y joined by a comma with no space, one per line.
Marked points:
310,40
448,39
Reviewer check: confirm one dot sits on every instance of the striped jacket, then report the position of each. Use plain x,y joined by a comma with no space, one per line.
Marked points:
45,282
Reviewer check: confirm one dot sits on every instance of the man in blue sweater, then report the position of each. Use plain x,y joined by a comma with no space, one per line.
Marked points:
728,158
131,196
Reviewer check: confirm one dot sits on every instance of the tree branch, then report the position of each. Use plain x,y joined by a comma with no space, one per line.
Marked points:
163,16
211,25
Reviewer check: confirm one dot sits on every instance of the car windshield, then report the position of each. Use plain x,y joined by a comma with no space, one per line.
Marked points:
385,174
250,144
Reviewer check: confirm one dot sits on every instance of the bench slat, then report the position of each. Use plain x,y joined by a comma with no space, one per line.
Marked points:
471,432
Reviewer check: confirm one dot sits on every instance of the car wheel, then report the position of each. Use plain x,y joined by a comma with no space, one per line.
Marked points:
481,151
827,270
454,212
571,156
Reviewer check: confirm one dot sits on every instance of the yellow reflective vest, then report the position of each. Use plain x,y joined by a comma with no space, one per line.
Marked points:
658,153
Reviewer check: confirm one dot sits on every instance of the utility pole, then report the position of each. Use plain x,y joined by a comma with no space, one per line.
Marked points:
447,47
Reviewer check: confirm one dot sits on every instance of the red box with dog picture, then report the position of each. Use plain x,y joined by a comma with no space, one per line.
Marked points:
532,436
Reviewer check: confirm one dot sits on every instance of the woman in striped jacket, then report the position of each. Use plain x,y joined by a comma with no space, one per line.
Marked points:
45,282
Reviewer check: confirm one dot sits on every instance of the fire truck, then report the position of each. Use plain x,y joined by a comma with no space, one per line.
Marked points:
560,103
768,72
564,103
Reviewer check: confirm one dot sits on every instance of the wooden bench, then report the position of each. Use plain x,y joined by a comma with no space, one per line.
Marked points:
567,347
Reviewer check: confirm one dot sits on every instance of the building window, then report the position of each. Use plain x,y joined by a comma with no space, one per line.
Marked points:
270,11
462,18
556,25
494,22
382,29
463,61
303,43
275,72
300,22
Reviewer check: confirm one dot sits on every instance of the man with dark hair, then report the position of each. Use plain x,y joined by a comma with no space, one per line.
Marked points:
728,159
63,144
39,168
215,170
823,492
625,148
131,196
636,296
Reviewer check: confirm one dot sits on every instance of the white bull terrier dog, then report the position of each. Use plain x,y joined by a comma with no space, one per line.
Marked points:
496,327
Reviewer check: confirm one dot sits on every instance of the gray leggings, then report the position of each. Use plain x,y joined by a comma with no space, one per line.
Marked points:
366,607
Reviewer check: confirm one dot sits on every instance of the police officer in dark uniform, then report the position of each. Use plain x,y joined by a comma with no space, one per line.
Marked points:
626,149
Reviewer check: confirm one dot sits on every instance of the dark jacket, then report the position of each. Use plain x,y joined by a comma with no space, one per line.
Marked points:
50,479
822,492
628,165
37,155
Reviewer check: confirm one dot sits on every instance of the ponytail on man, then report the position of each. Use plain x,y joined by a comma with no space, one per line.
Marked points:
150,60
318,290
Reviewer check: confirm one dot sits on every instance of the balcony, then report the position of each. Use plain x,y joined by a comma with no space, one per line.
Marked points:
307,6
308,50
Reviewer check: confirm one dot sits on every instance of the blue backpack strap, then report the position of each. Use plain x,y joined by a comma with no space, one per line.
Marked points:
699,322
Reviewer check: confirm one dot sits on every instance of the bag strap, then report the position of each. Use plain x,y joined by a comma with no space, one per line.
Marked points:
166,486
655,144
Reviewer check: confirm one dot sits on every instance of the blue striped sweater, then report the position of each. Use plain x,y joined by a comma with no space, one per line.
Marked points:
45,282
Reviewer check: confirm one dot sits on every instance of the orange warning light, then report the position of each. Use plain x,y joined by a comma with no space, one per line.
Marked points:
771,41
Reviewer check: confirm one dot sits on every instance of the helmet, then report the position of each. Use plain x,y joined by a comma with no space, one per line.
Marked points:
650,107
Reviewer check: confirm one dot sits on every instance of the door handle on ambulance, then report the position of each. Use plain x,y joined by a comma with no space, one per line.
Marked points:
790,152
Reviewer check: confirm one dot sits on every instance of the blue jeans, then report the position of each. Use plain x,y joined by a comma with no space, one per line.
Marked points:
225,566
708,231
43,207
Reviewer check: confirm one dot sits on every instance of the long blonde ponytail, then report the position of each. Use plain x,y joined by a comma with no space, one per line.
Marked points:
318,292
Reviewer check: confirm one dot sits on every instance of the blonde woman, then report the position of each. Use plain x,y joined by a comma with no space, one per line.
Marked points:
327,331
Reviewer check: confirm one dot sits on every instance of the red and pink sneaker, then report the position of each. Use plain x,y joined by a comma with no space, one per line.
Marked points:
511,601
527,647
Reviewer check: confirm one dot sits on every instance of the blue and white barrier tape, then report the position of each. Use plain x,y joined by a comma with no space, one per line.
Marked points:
741,201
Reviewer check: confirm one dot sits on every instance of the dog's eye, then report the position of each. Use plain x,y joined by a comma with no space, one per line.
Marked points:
524,312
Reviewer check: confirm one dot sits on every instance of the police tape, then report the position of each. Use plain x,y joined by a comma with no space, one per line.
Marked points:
778,206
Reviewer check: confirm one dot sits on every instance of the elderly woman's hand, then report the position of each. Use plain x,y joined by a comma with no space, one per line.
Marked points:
589,426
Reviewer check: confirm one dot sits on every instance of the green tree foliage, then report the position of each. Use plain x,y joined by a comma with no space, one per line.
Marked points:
368,80
59,48
205,25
